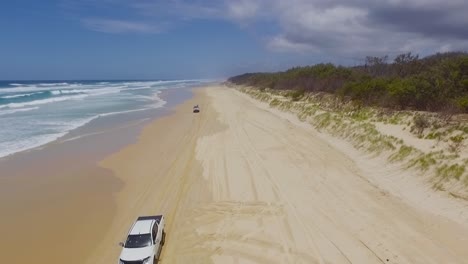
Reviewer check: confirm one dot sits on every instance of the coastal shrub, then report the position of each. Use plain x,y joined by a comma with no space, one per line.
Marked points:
264,96
462,103
311,110
435,83
379,144
402,153
454,171
456,142
423,161
296,95
361,115
286,105
369,128
434,135
275,102
420,123
323,120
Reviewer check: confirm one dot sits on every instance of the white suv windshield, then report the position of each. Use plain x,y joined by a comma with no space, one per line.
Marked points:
138,241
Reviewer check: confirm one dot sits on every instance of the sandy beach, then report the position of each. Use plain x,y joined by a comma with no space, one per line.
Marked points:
234,132
238,184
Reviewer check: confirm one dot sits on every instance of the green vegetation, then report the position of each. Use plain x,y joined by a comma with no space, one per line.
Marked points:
456,143
323,120
434,135
454,171
420,123
402,153
275,102
359,125
435,83
423,162
296,94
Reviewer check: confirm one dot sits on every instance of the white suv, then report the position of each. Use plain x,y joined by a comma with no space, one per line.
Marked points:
144,241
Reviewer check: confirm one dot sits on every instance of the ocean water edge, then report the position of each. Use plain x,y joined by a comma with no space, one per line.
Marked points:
34,113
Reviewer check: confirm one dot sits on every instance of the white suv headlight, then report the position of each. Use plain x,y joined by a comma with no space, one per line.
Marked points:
146,260
121,262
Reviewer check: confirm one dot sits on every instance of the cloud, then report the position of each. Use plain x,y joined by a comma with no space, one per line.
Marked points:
178,9
367,27
335,27
243,9
282,43
118,26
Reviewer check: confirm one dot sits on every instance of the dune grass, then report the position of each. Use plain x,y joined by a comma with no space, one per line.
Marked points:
357,124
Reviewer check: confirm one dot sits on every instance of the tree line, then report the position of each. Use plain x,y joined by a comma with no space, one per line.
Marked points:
435,83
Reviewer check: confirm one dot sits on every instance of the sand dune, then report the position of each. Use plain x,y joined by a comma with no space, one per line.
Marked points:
239,184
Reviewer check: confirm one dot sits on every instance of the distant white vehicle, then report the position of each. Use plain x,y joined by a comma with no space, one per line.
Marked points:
196,109
144,241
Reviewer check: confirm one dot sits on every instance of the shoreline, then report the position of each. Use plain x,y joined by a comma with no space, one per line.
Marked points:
62,193
114,122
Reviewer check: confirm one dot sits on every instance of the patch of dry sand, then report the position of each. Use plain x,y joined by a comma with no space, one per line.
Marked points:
239,184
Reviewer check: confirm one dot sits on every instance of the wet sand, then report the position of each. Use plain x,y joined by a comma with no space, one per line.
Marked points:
56,202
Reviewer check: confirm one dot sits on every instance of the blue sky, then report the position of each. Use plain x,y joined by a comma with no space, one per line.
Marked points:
151,39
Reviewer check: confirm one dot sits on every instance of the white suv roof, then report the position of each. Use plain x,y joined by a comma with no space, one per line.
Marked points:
142,227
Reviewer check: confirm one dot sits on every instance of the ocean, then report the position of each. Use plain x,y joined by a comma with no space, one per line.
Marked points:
34,113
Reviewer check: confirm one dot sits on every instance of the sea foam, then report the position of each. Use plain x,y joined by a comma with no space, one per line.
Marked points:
33,114
43,101
18,95
9,112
